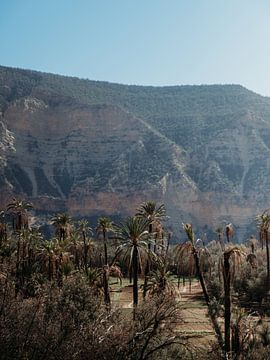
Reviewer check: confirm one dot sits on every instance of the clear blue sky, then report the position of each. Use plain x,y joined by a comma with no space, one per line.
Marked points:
155,42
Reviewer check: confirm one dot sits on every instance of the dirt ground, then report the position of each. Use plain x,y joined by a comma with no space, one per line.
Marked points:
195,327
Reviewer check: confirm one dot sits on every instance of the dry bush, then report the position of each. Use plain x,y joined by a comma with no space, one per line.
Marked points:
72,321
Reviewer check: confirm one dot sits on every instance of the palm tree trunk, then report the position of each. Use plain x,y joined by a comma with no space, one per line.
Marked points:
207,299
147,268
146,272
105,248
267,258
155,245
107,299
18,264
227,303
135,276
85,251
19,222
168,244
50,268
201,278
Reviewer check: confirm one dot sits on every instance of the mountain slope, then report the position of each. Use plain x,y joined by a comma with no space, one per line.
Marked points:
94,147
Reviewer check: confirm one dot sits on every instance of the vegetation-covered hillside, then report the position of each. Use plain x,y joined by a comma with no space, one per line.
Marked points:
98,147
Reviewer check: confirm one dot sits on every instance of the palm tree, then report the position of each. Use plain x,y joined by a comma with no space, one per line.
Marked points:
151,212
229,231
220,233
253,242
19,210
264,228
62,224
159,281
3,228
87,243
185,261
74,248
234,255
134,235
192,246
252,258
48,255
104,226
154,214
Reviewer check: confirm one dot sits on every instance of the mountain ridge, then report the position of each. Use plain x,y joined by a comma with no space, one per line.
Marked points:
91,147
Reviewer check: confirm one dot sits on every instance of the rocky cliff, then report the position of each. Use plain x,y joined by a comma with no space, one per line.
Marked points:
93,148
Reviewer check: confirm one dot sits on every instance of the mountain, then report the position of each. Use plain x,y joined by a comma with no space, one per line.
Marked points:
95,148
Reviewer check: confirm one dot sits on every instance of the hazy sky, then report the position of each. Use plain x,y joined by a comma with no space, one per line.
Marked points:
154,42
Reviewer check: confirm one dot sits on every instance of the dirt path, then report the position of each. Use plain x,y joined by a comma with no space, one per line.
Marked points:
196,326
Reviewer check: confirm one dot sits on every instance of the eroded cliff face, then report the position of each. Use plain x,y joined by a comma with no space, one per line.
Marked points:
94,157
88,159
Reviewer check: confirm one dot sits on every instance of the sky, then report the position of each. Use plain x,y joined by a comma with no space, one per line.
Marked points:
144,42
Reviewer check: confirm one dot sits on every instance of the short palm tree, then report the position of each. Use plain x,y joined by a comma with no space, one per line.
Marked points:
134,236
219,231
229,231
252,242
159,281
252,258
62,224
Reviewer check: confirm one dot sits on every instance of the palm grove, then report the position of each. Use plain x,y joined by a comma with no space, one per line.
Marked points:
56,294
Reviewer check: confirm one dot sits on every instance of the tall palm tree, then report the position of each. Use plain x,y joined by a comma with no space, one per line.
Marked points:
231,255
192,246
264,228
104,226
134,235
48,254
62,224
150,211
3,228
184,259
87,242
19,208
153,213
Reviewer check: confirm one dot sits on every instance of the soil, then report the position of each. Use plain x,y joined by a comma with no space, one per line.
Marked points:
195,327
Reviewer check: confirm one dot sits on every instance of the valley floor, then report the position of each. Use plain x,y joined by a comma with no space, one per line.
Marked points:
195,325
